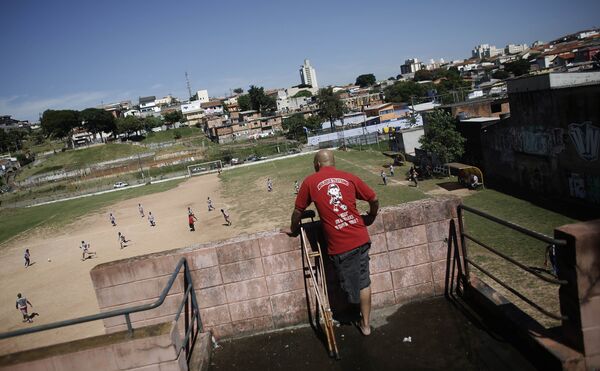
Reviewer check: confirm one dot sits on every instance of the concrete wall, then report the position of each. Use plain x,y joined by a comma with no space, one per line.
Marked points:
550,145
152,348
255,283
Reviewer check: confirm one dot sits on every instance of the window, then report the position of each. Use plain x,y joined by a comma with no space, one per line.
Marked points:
496,107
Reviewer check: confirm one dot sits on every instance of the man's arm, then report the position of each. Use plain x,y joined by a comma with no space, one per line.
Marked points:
369,218
28,302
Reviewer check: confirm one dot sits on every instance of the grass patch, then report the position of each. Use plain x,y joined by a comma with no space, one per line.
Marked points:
172,134
77,159
245,187
15,221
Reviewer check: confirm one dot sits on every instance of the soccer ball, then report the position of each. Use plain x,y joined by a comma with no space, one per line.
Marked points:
49,260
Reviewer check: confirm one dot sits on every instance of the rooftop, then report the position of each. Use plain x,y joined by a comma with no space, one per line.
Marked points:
441,337
554,80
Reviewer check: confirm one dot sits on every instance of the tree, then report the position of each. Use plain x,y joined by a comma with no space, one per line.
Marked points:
60,123
259,101
331,106
173,117
518,67
244,102
303,93
238,90
441,137
129,125
295,126
365,80
424,75
97,120
402,91
151,122
500,74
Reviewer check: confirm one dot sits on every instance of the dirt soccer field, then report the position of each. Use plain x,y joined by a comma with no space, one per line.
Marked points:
61,288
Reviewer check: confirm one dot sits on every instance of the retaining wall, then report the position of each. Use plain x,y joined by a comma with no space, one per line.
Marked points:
255,282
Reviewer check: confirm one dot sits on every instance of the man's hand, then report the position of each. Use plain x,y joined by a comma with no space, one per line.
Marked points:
368,219
289,232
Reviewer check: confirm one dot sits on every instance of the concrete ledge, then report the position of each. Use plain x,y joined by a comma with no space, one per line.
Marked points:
542,346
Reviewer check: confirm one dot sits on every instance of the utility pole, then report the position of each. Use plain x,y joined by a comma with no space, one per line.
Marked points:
189,88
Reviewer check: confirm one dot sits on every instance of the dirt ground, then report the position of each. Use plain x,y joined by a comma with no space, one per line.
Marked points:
58,283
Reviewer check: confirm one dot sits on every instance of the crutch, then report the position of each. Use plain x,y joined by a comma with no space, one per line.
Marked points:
319,285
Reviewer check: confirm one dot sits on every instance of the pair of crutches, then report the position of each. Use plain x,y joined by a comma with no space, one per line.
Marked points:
313,260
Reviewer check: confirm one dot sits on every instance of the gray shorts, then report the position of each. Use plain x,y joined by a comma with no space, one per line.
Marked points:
352,268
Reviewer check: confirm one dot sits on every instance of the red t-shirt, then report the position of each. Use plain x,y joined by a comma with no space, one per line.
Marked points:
335,192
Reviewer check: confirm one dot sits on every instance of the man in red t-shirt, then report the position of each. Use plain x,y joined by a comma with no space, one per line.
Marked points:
334,193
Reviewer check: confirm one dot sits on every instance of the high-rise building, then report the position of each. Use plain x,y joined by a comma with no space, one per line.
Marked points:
308,76
411,66
486,51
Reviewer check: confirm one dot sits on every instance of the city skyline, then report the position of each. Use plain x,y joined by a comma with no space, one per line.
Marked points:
72,55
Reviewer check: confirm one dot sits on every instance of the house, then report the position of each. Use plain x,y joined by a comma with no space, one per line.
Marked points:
385,112
483,107
214,107
192,111
147,106
248,115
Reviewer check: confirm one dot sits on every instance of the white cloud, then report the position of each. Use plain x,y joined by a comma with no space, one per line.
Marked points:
29,108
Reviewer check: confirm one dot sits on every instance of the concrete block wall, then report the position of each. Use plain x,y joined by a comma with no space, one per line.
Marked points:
156,351
579,264
255,282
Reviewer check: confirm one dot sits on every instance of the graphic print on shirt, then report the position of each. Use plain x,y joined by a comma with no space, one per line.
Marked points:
336,198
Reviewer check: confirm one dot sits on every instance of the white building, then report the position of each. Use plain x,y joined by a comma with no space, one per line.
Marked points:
148,106
411,66
514,49
192,111
202,96
485,51
308,76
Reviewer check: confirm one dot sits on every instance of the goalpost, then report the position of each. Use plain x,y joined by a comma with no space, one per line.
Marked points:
204,168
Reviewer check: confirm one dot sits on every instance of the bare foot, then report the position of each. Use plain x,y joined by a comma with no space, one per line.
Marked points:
365,330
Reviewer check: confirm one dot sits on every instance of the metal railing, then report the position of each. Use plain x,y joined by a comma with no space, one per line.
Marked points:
188,304
463,264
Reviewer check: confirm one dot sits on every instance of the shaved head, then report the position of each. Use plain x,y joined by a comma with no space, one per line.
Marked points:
324,158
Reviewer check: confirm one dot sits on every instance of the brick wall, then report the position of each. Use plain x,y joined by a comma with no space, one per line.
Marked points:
255,283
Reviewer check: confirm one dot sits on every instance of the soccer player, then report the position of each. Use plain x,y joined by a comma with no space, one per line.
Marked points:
85,249
141,210
151,219
191,219
269,185
391,170
210,205
21,305
112,219
383,177
296,187
122,240
334,193
27,257
226,216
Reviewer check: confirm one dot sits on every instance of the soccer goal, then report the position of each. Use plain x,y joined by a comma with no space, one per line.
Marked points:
204,168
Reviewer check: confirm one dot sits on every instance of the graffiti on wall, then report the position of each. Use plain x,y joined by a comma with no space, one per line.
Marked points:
531,140
576,186
586,138
585,187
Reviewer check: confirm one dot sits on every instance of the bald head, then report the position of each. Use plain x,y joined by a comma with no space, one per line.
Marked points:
324,158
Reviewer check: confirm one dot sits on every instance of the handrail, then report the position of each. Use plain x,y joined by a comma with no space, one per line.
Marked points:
463,246
113,313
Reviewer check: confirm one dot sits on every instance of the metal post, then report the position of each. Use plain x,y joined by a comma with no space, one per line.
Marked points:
187,313
129,327
463,242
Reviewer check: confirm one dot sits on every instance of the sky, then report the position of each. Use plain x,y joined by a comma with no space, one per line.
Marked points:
82,53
